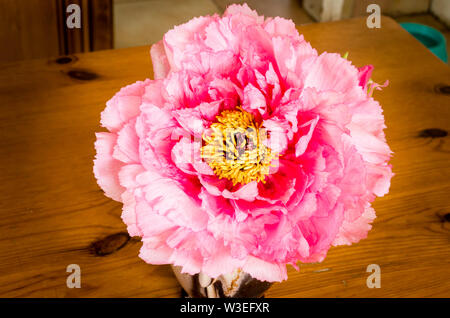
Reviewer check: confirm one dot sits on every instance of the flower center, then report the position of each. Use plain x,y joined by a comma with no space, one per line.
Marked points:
234,148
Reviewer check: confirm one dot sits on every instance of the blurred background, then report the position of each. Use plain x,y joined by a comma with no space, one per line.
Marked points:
37,28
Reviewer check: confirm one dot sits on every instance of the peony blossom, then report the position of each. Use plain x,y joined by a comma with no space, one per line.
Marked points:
248,150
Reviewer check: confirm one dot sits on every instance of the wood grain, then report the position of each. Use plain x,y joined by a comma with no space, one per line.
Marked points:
28,29
52,213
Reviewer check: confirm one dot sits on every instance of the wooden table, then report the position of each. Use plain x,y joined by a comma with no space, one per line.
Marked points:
52,213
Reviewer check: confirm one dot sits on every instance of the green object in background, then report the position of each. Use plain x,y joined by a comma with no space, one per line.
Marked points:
430,37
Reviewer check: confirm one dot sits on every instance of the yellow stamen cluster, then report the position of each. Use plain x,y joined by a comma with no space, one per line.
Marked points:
234,149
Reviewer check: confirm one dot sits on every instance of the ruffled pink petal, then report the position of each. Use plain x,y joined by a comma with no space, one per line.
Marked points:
152,224
305,209
127,147
215,205
293,59
280,185
274,83
124,106
128,175
247,192
368,114
129,213
256,50
154,94
186,155
225,91
154,128
321,231
220,38
302,143
258,207
280,27
254,101
214,185
364,74
180,207
191,120
219,64
373,149
209,111
379,178
333,107
224,187
277,133
177,41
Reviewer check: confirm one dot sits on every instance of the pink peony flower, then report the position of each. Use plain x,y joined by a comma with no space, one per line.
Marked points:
249,150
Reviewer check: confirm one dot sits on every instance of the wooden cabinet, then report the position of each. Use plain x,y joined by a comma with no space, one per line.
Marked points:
37,28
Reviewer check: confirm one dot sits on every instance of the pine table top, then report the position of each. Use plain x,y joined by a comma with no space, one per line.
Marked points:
52,212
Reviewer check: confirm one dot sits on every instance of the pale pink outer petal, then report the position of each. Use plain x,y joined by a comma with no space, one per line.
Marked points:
129,213
190,261
221,262
265,271
157,256
106,168
379,178
160,62
353,232
127,178
243,10
280,27
331,72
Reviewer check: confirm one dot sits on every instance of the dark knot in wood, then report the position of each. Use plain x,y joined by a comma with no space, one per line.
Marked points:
109,244
443,89
82,75
64,60
446,217
433,133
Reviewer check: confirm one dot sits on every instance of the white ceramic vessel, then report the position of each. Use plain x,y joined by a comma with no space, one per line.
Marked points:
237,284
